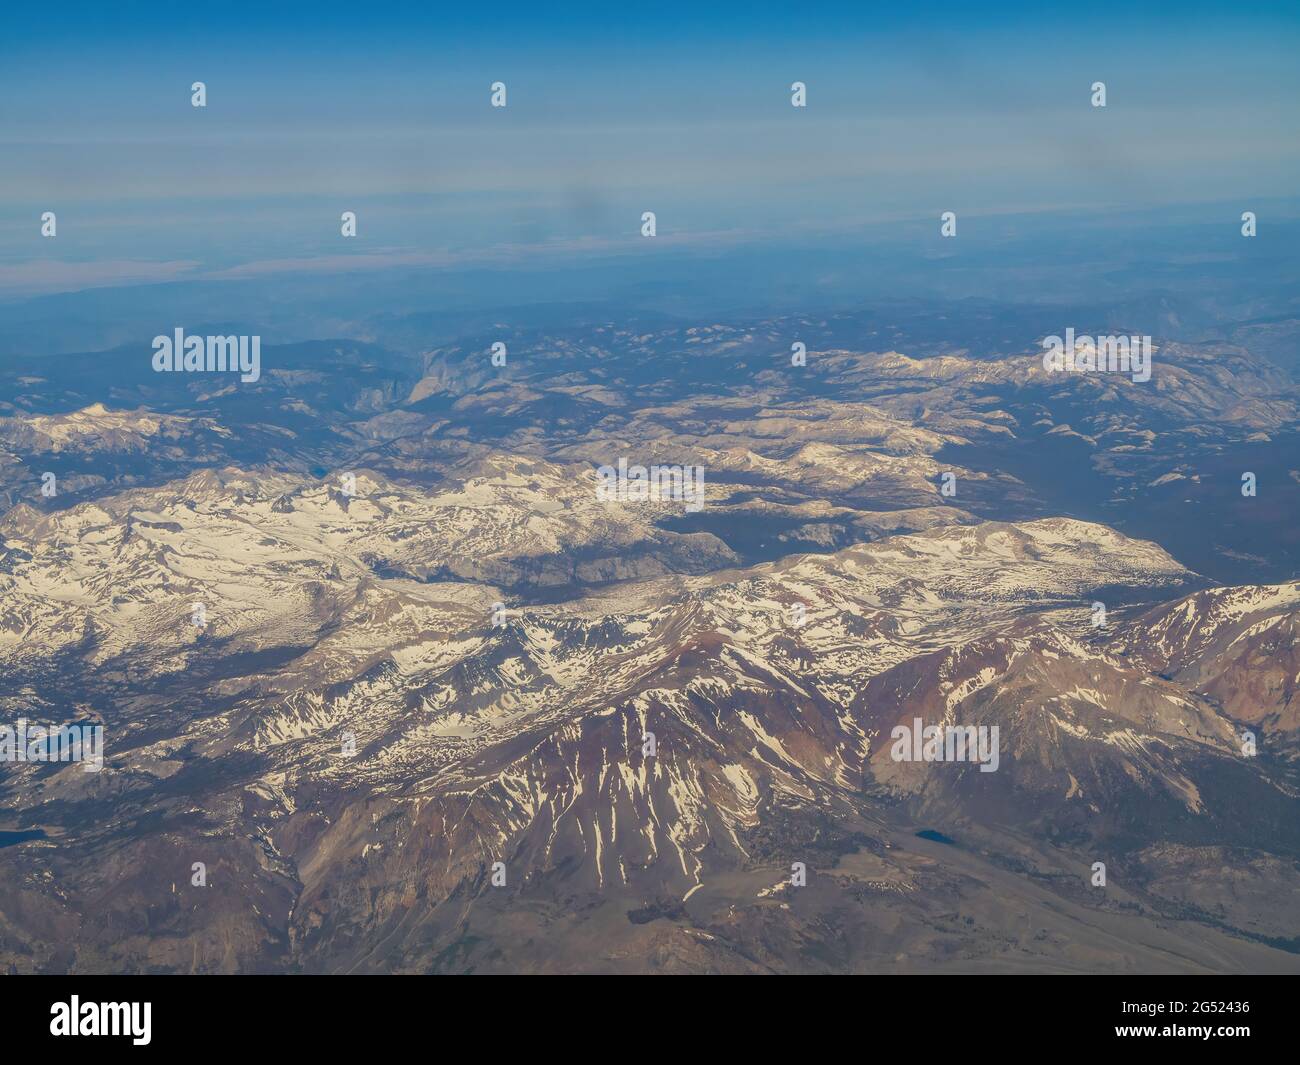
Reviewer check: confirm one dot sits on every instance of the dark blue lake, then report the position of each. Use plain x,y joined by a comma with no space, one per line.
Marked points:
8,839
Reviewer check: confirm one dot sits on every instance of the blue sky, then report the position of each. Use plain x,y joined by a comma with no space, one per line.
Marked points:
313,109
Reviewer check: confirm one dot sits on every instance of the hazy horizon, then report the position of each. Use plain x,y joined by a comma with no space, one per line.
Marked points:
909,114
